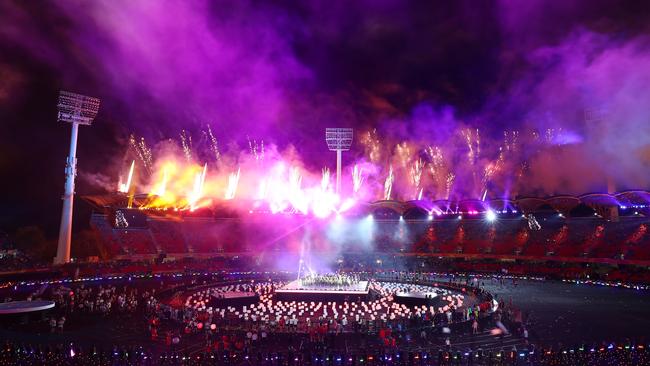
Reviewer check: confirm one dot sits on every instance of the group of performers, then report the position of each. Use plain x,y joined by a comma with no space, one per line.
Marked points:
330,280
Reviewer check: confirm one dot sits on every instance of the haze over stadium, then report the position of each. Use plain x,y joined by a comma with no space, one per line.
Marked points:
495,144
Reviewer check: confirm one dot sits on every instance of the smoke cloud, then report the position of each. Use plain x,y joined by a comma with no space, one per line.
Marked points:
532,99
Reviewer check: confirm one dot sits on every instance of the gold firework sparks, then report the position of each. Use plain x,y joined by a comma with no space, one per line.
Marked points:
371,142
186,143
450,183
325,179
142,151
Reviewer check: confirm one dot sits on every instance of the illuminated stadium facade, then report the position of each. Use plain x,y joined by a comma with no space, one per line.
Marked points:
590,228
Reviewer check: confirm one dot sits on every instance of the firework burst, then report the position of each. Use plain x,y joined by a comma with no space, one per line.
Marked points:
214,144
142,151
186,143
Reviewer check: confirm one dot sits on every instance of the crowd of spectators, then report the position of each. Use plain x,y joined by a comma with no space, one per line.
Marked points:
584,354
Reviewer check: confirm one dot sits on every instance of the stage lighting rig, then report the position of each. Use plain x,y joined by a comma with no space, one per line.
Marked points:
78,110
339,140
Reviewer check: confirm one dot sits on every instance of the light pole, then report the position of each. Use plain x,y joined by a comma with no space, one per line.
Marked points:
338,139
79,110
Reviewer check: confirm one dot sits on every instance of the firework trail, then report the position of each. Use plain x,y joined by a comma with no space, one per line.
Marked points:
186,143
388,183
233,182
436,166
325,179
142,151
416,177
295,179
197,191
214,144
357,178
449,184
257,150
124,187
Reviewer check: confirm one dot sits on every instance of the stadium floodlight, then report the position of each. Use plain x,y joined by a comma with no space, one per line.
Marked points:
338,139
490,215
79,110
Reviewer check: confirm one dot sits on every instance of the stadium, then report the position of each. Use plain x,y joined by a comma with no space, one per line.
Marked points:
379,183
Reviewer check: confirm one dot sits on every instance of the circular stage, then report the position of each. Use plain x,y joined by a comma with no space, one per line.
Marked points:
382,301
20,307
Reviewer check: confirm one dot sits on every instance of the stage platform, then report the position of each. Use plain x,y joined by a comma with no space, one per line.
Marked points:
21,307
296,291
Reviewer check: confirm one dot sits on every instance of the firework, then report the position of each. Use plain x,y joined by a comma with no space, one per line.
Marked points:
357,178
160,188
388,183
233,182
416,176
436,165
197,190
403,152
325,179
256,150
261,190
186,143
511,140
372,145
214,145
125,187
142,151
449,184
296,196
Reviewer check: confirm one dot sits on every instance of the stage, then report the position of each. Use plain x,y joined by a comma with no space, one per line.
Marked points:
297,291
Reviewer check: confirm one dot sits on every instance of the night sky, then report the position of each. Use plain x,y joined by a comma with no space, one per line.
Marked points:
283,71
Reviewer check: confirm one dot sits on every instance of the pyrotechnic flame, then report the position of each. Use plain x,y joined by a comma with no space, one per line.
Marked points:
388,183
325,179
261,190
510,140
125,187
161,187
197,191
233,182
186,143
357,178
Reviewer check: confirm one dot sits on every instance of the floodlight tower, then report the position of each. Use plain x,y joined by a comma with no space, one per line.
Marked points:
338,139
79,110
